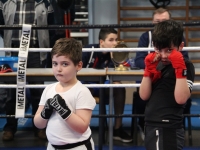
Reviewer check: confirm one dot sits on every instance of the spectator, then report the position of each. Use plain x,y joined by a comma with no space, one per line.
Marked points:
101,60
35,13
66,106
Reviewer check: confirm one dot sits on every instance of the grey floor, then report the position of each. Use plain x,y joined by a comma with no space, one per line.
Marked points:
27,139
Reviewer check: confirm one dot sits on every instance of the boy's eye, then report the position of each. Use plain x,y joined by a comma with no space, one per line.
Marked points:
169,50
54,63
112,39
157,50
64,64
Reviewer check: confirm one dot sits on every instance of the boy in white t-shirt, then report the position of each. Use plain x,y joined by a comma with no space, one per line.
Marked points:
65,108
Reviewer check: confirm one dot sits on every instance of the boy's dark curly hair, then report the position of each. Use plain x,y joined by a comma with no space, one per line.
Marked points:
166,34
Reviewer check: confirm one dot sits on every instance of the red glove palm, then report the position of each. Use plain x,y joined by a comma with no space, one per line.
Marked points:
151,62
178,63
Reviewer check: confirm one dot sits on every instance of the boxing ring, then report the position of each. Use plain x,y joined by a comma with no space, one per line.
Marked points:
130,75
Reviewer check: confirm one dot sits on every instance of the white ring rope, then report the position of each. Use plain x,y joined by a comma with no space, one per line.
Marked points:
87,85
90,50
99,49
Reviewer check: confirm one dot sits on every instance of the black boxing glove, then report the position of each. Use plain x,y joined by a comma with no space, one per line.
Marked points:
58,103
47,110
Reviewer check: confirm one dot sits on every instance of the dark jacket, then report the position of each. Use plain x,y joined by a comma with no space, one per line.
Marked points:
144,42
98,60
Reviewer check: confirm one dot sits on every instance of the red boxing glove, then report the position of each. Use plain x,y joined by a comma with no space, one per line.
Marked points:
178,64
151,62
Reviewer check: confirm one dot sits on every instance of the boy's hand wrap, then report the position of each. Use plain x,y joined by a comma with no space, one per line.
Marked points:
178,64
58,103
151,62
47,110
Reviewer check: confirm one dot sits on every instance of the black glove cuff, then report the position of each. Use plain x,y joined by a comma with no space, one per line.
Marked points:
47,110
43,115
64,113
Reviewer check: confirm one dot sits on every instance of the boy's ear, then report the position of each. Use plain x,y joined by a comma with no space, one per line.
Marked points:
101,42
181,46
79,66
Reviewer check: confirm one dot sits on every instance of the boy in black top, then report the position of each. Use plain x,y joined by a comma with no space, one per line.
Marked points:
159,15
167,84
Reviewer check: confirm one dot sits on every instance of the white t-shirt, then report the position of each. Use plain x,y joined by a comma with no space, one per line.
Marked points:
78,97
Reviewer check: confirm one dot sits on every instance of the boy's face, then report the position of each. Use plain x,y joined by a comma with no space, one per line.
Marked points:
64,69
165,52
109,42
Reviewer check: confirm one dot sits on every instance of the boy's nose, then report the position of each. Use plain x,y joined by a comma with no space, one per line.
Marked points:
59,68
163,55
114,43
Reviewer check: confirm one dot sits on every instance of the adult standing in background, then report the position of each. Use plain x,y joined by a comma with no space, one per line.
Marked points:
18,12
59,12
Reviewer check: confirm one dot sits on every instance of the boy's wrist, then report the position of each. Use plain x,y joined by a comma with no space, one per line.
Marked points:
147,73
66,115
181,73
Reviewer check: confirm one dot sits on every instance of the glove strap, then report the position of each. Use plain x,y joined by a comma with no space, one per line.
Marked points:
42,114
181,73
64,113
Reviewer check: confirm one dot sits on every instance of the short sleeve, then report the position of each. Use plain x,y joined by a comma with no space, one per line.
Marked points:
47,93
85,100
190,74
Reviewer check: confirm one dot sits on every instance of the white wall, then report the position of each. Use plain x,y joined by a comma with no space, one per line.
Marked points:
102,12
